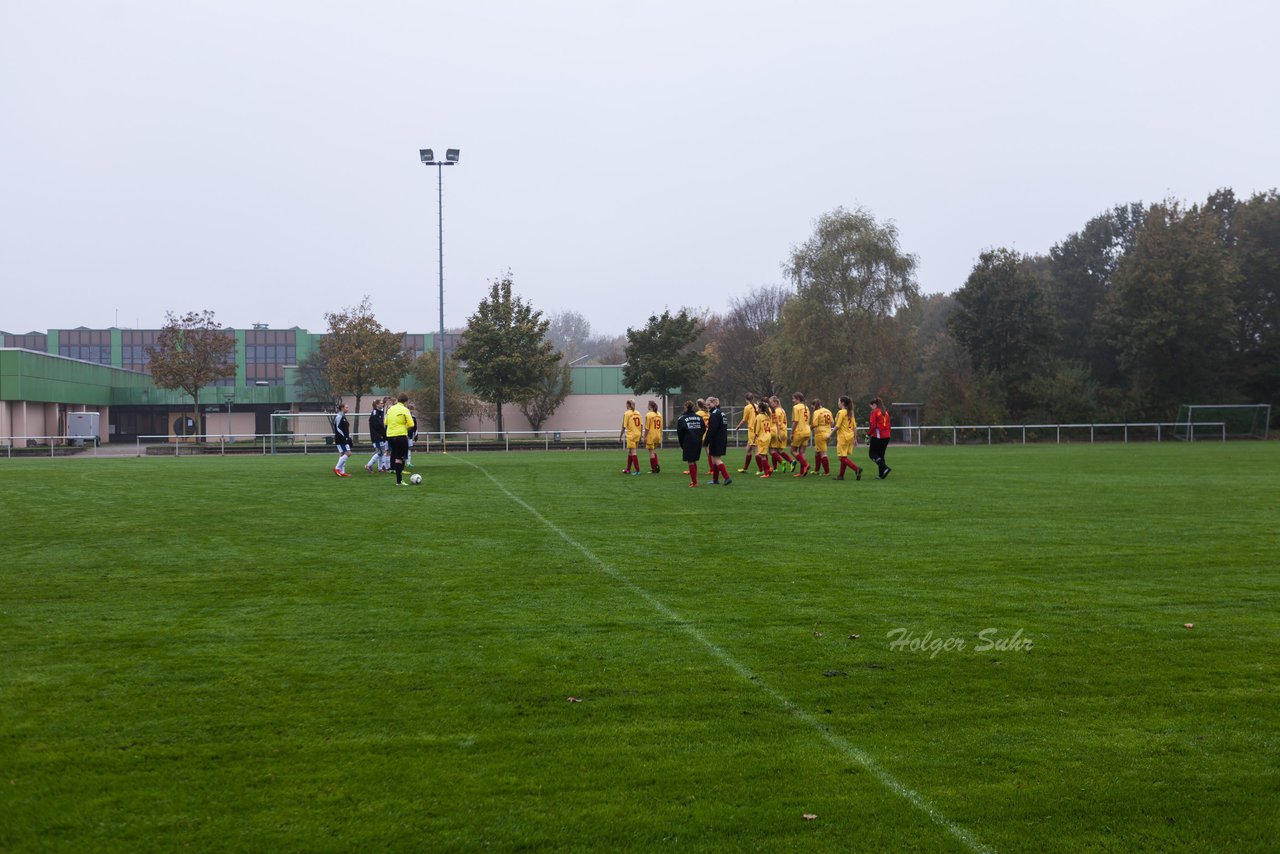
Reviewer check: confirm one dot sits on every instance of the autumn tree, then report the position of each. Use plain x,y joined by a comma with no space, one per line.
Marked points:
505,349
841,332
740,357
661,356
190,352
361,354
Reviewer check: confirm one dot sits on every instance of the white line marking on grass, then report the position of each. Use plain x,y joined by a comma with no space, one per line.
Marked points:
851,751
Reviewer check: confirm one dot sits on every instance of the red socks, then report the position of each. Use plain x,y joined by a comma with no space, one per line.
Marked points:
693,473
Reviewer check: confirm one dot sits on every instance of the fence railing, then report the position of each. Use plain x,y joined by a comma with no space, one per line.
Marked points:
508,440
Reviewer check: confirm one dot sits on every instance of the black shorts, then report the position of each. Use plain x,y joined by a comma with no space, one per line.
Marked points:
399,447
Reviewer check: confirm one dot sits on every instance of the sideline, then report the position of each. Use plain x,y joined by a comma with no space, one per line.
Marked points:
849,750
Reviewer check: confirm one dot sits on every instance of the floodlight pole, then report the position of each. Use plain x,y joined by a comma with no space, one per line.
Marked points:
451,157
230,398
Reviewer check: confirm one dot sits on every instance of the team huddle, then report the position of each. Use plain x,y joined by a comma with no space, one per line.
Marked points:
775,443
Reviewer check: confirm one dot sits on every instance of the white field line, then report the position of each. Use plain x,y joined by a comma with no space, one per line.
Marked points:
851,751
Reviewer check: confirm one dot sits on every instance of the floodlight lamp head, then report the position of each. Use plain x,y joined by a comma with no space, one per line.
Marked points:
451,155
427,155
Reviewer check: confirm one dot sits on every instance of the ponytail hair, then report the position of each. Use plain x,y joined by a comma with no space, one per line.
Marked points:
846,404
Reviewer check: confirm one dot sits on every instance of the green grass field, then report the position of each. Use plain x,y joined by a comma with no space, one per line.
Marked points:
251,654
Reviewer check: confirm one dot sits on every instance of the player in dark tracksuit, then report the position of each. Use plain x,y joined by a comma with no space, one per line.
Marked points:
378,436
342,439
716,441
689,430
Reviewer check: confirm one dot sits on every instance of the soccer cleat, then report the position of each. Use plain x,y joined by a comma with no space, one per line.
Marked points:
336,472
692,485
885,473
408,465
793,465
343,474
838,477
727,481
401,483
742,471
368,468
857,474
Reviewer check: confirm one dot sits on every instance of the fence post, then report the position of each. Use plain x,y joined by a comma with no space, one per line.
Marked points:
1090,434
1157,433
955,436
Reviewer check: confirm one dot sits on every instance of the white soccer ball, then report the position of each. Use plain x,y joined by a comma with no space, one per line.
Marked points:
415,479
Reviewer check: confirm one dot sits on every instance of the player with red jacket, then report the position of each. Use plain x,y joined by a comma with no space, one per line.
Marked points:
878,435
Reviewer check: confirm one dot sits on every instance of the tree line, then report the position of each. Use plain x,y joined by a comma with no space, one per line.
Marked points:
1145,308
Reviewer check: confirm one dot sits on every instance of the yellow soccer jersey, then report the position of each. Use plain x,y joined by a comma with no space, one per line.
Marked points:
846,431
706,421
763,430
822,423
779,428
633,424
652,429
749,419
398,420
800,424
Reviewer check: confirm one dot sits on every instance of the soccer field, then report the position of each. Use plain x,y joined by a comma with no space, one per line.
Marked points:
1064,648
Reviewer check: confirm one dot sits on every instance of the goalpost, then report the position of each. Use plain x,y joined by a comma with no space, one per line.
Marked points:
1240,420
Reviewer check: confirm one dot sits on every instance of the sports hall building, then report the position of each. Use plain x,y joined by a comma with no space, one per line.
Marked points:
46,378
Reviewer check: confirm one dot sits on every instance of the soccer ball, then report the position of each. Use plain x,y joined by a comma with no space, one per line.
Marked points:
415,479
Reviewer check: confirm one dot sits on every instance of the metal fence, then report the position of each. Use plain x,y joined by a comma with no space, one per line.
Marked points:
516,440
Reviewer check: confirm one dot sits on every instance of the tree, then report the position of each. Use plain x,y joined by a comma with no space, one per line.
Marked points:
954,391
361,353
1004,320
1081,269
661,356
505,349
458,402
555,386
1255,251
740,359
191,352
313,380
570,333
840,333
1170,312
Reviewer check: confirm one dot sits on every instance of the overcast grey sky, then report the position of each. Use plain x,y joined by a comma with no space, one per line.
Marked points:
260,159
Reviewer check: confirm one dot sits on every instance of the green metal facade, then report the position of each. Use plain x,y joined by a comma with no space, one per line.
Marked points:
48,377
